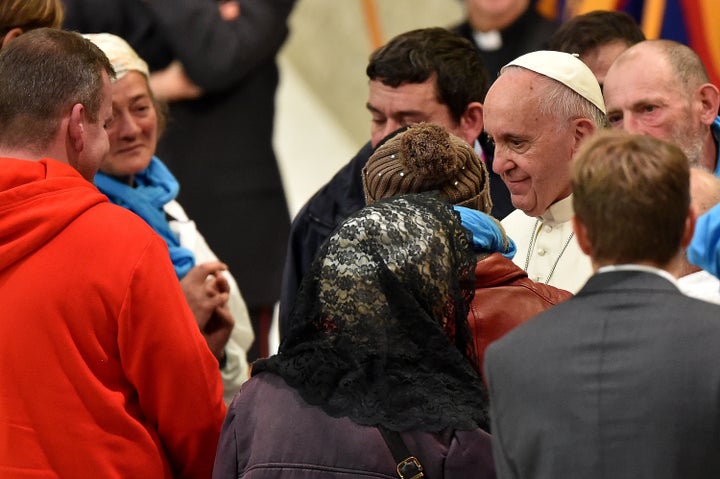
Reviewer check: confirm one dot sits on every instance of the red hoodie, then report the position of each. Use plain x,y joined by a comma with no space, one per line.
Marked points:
103,372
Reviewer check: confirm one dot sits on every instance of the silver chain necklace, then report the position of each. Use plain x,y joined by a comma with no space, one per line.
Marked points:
533,239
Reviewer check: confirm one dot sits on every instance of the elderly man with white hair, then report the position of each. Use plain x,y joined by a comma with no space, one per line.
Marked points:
538,112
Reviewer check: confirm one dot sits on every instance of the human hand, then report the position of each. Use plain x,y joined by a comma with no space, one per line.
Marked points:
229,10
217,330
173,84
205,289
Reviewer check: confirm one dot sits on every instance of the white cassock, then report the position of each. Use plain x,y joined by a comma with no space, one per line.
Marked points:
547,248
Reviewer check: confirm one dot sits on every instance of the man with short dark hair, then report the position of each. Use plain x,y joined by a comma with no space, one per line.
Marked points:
425,75
621,380
104,372
598,38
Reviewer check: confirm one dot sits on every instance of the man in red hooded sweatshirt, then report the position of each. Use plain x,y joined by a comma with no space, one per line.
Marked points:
103,370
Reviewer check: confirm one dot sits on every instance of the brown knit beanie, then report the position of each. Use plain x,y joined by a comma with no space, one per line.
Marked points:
426,157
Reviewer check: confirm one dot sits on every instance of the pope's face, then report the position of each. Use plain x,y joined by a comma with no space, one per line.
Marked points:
533,151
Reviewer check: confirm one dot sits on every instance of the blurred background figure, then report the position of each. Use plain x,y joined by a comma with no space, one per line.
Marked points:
379,342
598,37
18,16
503,30
134,178
217,69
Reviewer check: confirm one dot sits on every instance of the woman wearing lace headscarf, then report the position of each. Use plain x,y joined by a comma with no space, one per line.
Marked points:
426,157
379,339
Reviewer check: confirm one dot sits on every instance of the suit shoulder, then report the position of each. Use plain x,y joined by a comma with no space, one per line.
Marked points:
700,310
527,334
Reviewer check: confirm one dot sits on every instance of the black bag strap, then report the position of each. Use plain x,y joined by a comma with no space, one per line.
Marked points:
408,466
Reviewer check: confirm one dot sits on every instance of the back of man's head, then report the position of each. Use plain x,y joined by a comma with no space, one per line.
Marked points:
632,195
43,73
415,56
583,33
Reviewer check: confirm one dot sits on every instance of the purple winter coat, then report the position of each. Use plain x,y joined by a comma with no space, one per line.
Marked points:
270,432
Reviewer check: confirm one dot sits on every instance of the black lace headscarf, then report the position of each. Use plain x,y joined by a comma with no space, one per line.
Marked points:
379,329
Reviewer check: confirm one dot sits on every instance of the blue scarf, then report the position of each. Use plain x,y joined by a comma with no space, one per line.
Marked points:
155,186
487,234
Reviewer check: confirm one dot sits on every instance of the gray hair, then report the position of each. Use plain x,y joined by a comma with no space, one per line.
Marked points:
561,102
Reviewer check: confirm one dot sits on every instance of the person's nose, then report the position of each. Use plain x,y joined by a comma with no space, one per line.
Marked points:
380,133
128,128
631,124
502,161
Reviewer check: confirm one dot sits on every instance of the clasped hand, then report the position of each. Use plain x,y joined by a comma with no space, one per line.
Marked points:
207,292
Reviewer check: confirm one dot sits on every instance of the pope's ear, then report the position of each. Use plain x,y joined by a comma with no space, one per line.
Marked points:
583,129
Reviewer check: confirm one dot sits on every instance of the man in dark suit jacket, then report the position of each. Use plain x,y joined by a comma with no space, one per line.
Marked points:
424,75
622,380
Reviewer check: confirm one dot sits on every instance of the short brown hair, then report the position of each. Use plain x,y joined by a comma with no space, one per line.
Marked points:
586,32
632,193
43,73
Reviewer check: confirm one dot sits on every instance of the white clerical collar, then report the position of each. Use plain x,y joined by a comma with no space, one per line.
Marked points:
488,41
559,212
639,267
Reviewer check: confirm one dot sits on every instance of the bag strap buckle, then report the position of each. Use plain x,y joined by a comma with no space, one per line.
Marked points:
410,468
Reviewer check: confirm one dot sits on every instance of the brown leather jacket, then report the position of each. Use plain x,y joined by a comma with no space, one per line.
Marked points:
505,298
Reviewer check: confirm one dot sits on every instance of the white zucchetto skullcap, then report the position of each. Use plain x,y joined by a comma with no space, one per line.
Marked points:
566,68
